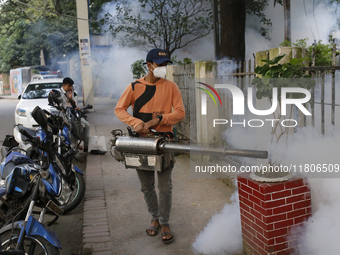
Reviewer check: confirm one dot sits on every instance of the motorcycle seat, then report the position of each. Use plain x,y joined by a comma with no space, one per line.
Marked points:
13,159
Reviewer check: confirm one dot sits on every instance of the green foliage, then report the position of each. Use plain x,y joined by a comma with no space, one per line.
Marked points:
301,43
174,59
186,61
138,69
25,30
281,75
323,54
286,44
167,24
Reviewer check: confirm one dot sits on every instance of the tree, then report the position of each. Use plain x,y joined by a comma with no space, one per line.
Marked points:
26,27
231,20
167,24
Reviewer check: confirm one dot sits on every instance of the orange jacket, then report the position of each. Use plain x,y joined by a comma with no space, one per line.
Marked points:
149,100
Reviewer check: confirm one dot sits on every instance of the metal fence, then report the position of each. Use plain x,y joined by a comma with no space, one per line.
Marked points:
184,77
323,104
324,100
325,96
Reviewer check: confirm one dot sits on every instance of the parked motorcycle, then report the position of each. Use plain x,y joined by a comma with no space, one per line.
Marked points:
40,184
31,235
72,180
72,117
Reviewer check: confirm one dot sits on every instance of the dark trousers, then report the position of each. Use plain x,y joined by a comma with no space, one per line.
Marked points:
159,209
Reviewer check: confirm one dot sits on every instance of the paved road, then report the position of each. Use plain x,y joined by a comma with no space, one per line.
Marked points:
69,227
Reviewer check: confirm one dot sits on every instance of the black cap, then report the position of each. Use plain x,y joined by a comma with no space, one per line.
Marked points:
158,56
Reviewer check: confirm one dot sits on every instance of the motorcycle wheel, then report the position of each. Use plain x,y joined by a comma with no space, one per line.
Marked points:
32,244
77,195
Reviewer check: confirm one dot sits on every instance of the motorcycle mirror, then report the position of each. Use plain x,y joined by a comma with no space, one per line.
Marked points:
40,117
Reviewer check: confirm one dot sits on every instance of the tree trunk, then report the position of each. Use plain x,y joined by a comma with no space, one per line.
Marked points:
286,7
232,28
215,6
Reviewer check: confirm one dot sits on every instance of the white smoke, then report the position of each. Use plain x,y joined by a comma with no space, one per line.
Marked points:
322,230
308,146
111,71
223,234
201,49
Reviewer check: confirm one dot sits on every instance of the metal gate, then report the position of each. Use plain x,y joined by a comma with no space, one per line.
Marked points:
184,77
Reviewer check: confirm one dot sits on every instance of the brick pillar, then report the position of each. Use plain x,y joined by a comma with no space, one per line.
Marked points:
269,211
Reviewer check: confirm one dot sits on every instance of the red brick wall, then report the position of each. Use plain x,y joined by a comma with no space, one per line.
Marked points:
269,211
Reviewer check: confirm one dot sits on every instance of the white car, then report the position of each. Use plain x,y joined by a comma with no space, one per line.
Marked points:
35,93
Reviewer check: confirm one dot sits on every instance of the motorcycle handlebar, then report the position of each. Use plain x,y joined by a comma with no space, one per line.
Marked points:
32,139
24,132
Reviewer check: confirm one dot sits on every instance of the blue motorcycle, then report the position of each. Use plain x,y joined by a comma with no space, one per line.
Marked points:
40,184
72,182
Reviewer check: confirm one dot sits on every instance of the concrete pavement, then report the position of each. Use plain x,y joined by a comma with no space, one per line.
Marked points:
115,213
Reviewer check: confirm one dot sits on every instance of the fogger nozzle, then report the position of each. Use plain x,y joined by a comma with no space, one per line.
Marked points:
156,145
178,148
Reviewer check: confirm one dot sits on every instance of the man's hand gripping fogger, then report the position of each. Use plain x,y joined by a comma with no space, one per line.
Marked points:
144,128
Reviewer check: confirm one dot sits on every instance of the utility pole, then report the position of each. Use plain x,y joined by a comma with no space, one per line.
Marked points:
286,8
85,52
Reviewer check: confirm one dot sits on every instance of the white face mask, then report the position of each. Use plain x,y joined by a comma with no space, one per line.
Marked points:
159,72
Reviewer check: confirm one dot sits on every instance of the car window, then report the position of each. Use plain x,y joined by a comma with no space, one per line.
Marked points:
34,91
